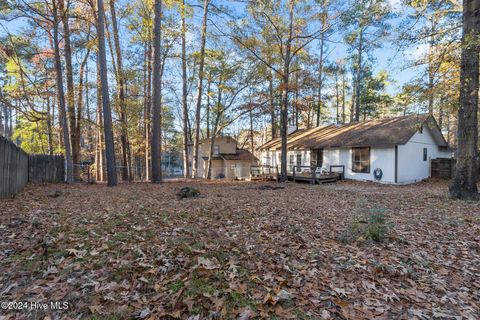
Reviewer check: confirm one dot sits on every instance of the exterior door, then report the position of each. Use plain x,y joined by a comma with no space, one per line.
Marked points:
317,157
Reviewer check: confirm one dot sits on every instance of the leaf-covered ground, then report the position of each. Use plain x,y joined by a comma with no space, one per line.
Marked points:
241,250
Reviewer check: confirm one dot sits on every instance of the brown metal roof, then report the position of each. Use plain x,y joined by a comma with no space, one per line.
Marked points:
376,133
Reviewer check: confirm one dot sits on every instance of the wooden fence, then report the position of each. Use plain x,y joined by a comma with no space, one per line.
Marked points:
46,168
17,168
13,168
442,168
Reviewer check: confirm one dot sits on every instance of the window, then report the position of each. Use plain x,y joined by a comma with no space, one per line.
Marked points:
316,158
361,160
216,149
425,154
291,162
299,162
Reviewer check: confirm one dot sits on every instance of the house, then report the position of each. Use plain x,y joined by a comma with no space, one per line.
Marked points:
392,150
228,161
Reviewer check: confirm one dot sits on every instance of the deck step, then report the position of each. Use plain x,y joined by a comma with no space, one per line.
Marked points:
330,180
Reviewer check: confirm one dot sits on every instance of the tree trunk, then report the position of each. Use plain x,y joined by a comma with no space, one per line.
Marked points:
352,102
49,127
251,132
148,114
208,107
199,89
70,97
273,123
343,97
87,110
100,148
80,104
359,77
217,116
107,113
208,174
320,74
464,183
431,66
297,112
337,98
61,96
186,139
157,95
285,91
120,76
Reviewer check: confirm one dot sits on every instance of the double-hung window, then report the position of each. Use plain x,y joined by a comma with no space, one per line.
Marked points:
216,149
361,160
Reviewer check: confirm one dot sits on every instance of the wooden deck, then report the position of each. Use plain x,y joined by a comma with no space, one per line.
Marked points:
313,178
307,175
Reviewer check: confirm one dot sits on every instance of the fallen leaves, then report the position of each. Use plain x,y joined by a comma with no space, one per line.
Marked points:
241,250
208,264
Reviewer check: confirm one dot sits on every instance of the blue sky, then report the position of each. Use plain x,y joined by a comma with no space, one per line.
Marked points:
386,58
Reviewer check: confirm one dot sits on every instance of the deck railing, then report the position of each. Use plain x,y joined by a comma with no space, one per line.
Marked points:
264,171
304,172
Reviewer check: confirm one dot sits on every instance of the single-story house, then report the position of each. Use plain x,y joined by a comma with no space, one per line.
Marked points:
393,150
228,161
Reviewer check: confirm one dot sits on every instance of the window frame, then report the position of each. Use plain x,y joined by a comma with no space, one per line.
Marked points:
216,149
357,149
291,162
298,157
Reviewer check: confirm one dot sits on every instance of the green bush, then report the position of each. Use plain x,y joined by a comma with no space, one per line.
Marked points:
369,226
376,229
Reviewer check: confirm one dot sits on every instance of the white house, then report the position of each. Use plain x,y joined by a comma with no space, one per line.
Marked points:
392,150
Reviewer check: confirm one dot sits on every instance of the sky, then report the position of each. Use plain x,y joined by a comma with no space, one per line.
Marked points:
386,58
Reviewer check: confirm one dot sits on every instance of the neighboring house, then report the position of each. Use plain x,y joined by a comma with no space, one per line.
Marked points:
397,149
227,160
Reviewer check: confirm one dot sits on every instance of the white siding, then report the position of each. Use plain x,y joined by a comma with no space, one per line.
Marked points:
272,158
411,167
383,158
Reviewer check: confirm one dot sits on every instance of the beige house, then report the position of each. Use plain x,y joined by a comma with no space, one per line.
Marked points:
228,161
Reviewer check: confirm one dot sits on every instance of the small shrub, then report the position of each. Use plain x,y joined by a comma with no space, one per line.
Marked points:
369,226
376,229
187,192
